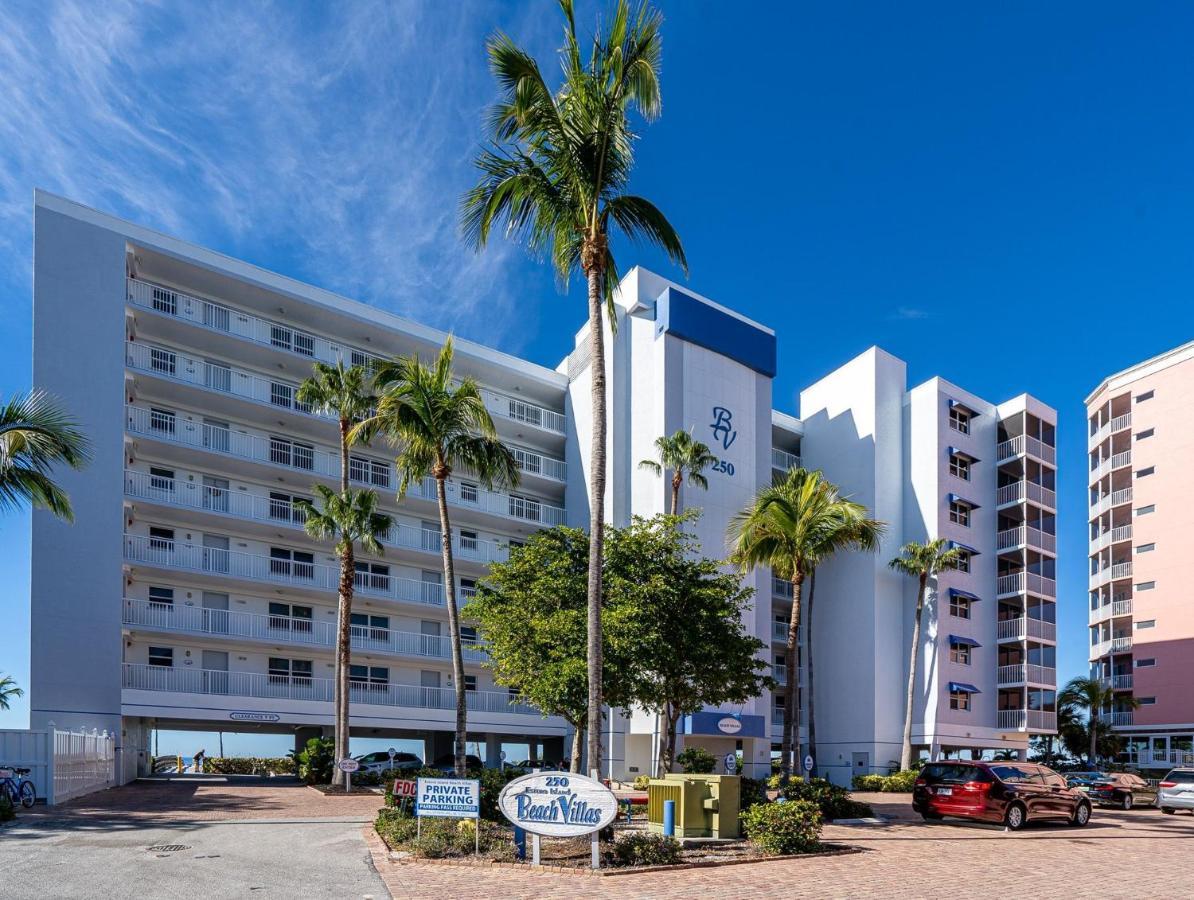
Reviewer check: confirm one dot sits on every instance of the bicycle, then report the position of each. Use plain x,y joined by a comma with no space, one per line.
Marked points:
17,789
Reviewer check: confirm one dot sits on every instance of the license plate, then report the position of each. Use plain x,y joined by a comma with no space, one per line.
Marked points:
945,792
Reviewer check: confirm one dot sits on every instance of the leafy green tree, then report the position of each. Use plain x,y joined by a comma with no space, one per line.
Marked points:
691,648
532,613
682,454
1091,696
790,527
35,436
555,175
351,520
9,690
440,423
922,562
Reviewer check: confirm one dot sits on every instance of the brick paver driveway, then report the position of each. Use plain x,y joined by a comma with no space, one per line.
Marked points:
1118,855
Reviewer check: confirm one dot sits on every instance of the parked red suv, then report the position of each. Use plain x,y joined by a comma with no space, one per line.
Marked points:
1010,793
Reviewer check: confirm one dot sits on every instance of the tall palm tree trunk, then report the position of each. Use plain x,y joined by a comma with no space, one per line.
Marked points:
578,738
441,495
596,501
791,703
1094,733
340,701
910,695
677,480
808,667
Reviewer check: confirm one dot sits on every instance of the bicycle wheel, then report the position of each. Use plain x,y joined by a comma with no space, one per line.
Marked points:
28,794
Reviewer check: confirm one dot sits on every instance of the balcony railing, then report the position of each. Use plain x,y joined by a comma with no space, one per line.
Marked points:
1027,720
1122,607
1027,673
1025,627
1118,718
1109,536
1026,536
1018,445
1013,674
1103,502
1025,582
288,630
293,687
1119,423
1121,644
1026,492
781,588
1112,572
217,317
1110,464
1117,682
235,564
783,460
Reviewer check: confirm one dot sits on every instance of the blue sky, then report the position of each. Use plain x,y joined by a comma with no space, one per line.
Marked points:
998,194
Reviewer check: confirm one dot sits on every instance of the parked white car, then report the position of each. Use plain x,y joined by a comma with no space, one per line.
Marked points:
380,762
1176,791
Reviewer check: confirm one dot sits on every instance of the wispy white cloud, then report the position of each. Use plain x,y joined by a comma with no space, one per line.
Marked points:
905,313
331,142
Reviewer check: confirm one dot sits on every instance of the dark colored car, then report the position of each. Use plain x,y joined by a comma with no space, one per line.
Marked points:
379,761
1122,789
447,762
1083,780
1008,793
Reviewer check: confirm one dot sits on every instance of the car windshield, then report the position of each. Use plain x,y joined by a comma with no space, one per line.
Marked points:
949,773
1183,776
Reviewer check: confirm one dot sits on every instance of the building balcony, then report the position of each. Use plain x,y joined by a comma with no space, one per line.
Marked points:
1118,719
1023,445
1111,645
1032,720
1111,536
783,461
1026,492
782,589
1103,502
1026,627
278,336
232,624
1111,610
1026,536
1112,572
210,682
1117,682
1027,673
1110,427
780,675
1109,464
1025,582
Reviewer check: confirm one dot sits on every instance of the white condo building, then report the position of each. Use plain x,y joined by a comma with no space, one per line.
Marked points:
188,596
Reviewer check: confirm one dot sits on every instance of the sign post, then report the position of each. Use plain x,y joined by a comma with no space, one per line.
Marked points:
393,752
559,805
348,765
808,762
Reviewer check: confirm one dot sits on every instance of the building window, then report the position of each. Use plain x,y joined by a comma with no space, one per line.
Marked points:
1144,473
525,508
1146,623
161,656
1145,510
295,671
468,633
959,467
165,301
959,700
959,653
1146,585
162,420
375,576
291,618
1147,433
285,452
1146,548
291,563
376,676
281,394
368,471
161,539
1148,701
959,420
964,561
959,513
1147,395
365,625
468,492
470,682
468,541
161,595
468,588
162,361
1146,663
959,607
161,480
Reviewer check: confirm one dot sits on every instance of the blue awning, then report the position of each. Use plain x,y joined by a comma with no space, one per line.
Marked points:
958,639
958,498
963,687
958,592
966,406
958,545
958,451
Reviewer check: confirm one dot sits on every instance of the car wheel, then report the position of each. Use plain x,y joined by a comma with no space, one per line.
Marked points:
1126,803
1168,810
1015,817
1081,815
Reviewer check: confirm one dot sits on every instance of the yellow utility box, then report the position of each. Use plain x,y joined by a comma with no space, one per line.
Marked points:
706,805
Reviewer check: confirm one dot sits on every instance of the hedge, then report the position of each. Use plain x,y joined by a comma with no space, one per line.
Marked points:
896,783
249,765
784,827
833,801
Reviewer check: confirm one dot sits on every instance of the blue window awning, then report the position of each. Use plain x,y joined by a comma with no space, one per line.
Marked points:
958,592
958,451
958,404
958,498
958,545
965,641
963,687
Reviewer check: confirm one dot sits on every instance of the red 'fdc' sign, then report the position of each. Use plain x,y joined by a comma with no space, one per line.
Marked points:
405,789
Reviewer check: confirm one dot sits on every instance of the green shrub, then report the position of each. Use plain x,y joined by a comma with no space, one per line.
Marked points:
639,848
776,780
441,837
751,791
315,761
641,782
900,782
833,801
783,827
396,827
6,810
249,765
696,761
868,782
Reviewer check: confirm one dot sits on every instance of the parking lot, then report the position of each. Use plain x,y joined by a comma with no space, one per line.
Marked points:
275,838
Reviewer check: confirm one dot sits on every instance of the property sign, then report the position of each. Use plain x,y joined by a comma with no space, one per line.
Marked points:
808,763
729,724
348,764
731,762
558,804
452,798
403,789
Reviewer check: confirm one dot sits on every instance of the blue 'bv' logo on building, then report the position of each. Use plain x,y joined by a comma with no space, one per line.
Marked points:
723,426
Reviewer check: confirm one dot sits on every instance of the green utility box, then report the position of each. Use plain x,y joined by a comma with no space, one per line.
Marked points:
706,805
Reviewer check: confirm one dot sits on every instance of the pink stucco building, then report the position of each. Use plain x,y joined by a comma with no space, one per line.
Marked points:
1141,443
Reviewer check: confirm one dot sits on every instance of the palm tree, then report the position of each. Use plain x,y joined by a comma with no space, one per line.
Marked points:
1005,755
8,690
790,527
439,424
350,518
36,435
556,176
922,562
1091,695
682,454
340,391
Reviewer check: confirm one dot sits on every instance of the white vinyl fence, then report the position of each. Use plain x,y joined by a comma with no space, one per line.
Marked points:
63,764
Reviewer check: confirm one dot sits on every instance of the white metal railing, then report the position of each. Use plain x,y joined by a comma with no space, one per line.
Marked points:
1100,648
1041,674
1013,674
510,506
783,460
1113,571
1119,423
1012,629
1121,644
1027,720
1013,719
1117,718
1026,582
1020,444
235,564
534,463
1122,607
218,317
82,763
1026,536
782,588
1117,682
1109,536
779,631
1022,628
288,630
1026,491
139,677
1042,720
1106,501
1041,630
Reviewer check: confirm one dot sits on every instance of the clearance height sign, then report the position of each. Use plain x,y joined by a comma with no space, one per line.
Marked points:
453,798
